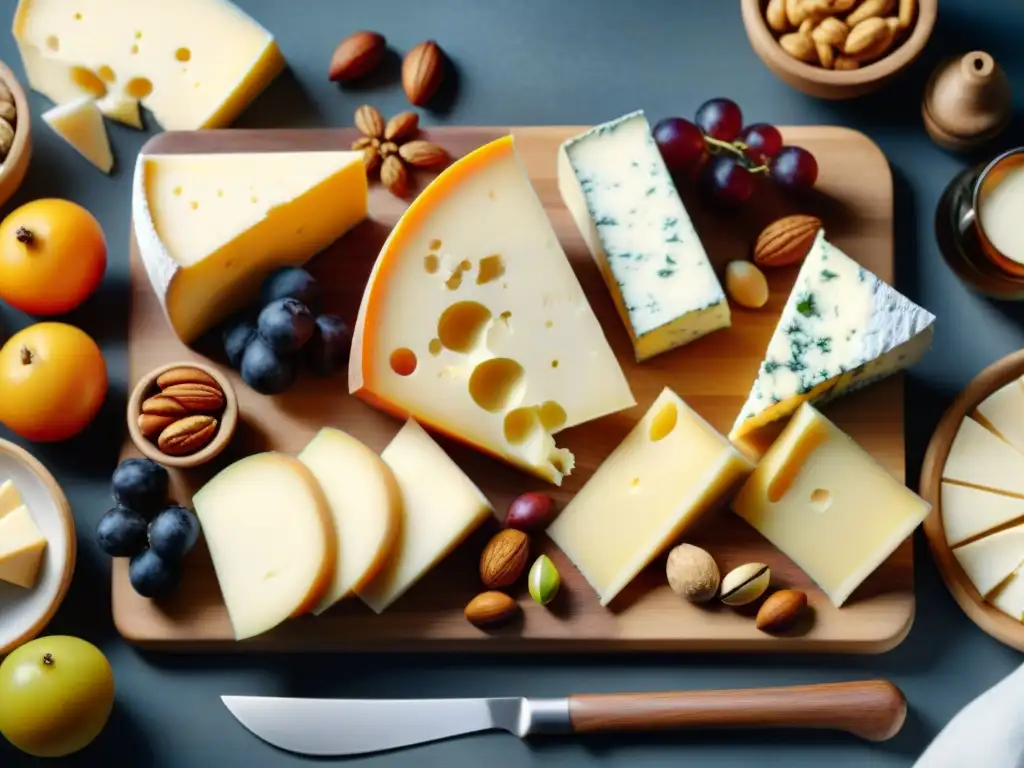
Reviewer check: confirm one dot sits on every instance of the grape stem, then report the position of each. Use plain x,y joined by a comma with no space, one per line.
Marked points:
716,145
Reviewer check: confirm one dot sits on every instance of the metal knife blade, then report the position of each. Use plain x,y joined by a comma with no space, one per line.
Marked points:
336,727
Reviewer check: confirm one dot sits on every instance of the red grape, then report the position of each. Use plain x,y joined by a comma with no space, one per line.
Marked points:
763,141
794,168
726,182
681,144
720,119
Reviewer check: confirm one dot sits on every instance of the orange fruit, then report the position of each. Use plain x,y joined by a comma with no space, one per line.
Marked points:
53,380
52,256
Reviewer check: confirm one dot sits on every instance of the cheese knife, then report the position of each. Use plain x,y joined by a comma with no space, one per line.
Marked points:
871,709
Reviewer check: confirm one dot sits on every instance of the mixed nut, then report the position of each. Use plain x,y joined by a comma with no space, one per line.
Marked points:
361,52
8,120
391,148
182,415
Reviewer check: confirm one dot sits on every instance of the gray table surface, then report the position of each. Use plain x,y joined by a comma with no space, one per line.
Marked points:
533,62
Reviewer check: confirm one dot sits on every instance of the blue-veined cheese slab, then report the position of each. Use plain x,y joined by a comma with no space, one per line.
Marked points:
618,190
842,328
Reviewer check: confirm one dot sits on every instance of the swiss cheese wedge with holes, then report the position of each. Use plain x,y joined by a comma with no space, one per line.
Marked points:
474,323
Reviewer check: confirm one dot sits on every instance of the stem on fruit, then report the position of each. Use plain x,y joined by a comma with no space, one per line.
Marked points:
759,169
726,145
24,235
47,658
26,356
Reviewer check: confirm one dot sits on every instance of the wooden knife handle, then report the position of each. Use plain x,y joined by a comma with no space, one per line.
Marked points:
872,709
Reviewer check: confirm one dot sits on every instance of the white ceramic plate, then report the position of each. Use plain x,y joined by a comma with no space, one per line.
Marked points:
25,612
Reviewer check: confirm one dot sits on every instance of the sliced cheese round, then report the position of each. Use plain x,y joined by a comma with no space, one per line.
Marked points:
270,533
365,502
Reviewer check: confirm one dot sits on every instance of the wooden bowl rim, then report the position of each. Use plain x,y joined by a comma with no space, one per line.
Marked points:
908,50
986,616
226,430
24,122
63,507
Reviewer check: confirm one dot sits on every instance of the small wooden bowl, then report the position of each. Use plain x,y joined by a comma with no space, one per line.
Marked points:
24,613
827,83
225,430
15,165
988,617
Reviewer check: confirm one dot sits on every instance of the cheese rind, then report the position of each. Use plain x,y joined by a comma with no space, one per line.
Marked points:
211,227
474,323
22,546
10,497
80,124
842,328
365,502
828,505
192,63
270,533
978,457
1003,412
440,507
668,471
615,184
969,512
989,561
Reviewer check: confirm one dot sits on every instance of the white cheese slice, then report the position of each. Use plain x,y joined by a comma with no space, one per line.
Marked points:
616,186
841,329
1010,597
10,497
22,546
988,561
977,457
80,124
440,507
123,109
1003,413
968,512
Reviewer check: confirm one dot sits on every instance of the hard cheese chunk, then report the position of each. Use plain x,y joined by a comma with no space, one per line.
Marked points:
123,109
210,227
842,328
80,124
827,505
671,468
271,537
977,457
1010,598
365,502
1003,413
474,323
989,561
10,497
615,183
22,546
440,507
192,63
968,512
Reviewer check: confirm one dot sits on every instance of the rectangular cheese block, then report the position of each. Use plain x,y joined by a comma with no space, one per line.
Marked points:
828,505
1010,597
968,512
10,497
22,546
978,457
616,186
671,468
192,63
1003,413
211,227
842,328
440,507
80,124
990,560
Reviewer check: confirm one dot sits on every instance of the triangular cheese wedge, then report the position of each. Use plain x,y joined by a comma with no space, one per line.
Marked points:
977,457
80,124
1010,598
988,561
10,497
1003,412
969,512
21,548
123,109
211,227
841,329
474,322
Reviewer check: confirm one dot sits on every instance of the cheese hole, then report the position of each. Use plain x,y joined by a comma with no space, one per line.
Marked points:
453,282
491,268
435,245
177,191
549,323
53,43
435,347
505,317
554,363
634,484
88,81
78,17
138,35
664,422
552,415
139,87
521,425
821,499
403,361
430,263
254,199
106,74
220,193
183,54
562,461
496,384
465,265
135,49
194,205
461,325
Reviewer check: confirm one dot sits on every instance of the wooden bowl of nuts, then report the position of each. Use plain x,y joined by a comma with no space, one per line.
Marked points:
15,133
838,49
183,414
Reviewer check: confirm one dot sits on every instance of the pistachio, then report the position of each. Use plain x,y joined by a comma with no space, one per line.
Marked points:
745,584
544,580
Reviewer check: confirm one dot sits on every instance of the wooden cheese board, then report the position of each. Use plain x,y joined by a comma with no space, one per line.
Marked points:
854,197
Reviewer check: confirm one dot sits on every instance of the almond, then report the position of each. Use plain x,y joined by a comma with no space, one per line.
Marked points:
830,31
775,14
357,55
362,143
826,55
869,9
490,608
371,159
845,63
151,425
395,176
388,148
786,241
187,436
185,375
402,127
159,405
908,9
423,154
197,398
882,41
369,121
504,558
422,71
780,611
866,35
799,46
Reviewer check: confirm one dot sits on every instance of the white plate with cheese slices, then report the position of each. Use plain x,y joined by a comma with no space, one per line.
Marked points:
32,506
973,475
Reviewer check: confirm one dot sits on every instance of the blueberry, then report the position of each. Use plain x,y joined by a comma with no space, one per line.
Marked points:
152,576
121,532
265,371
141,485
291,283
236,337
330,346
286,325
173,532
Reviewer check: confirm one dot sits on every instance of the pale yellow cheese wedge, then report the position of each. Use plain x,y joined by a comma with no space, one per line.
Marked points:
978,457
988,561
22,545
121,108
440,507
271,537
10,497
1003,412
80,124
365,502
968,512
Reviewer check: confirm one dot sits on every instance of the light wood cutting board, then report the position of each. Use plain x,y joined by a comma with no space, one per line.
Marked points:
855,200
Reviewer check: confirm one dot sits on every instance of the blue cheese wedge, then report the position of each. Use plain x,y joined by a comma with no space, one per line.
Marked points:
842,328
615,183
